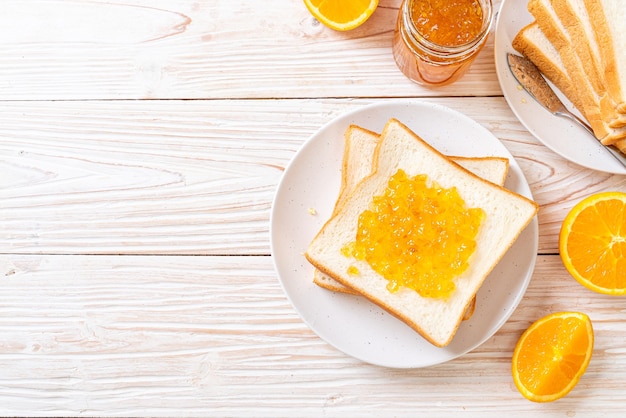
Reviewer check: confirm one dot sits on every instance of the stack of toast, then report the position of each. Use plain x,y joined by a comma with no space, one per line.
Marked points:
577,45
369,161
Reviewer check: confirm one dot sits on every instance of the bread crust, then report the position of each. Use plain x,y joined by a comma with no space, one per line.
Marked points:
575,19
604,19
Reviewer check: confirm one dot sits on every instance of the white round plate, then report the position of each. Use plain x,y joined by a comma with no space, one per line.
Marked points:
305,199
562,136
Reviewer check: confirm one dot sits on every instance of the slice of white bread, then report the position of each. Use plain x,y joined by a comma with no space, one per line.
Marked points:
574,20
598,107
506,215
531,42
608,19
358,163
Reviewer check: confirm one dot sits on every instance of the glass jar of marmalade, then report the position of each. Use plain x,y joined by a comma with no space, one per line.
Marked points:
435,41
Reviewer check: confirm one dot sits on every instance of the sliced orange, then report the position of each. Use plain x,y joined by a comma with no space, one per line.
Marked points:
552,355
592,242
341,14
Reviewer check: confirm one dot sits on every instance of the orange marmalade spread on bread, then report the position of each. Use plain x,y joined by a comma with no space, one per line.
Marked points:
417,235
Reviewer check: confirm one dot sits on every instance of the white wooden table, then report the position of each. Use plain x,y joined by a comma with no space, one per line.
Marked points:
141,143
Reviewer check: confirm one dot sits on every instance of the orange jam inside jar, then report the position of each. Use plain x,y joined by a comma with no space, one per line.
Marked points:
417,235
435,41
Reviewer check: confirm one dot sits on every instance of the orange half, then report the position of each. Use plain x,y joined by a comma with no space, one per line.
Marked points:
341,14
592,242
552,355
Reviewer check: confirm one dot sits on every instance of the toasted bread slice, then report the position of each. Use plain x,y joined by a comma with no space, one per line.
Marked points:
506,215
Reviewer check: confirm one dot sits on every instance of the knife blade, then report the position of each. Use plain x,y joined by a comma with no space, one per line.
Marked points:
529,76
531,79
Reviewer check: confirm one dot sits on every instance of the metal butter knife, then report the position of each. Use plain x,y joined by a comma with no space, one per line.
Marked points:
531,79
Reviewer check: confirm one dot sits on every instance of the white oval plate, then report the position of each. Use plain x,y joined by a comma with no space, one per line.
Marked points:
562,136
351,323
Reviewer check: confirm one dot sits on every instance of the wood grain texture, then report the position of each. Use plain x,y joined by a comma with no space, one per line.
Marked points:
141,144
216,336
198,177
134,49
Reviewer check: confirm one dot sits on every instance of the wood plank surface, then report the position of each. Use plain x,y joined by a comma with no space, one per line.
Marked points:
198,177
141,144
137,49
216,336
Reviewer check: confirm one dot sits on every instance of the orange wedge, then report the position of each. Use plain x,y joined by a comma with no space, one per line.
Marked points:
592,242
341,14
552,355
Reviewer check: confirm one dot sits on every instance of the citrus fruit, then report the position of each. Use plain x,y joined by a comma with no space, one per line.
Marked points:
552,355
341,14
592,242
